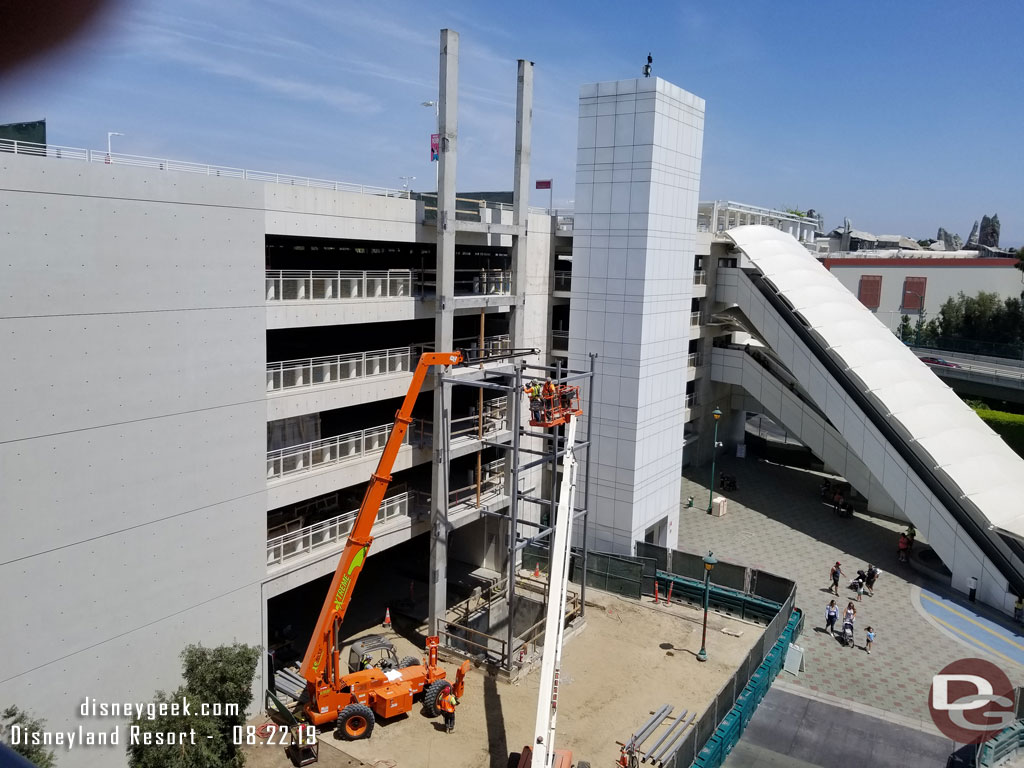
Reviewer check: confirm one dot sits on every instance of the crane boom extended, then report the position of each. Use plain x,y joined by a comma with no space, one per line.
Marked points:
321,662
543,747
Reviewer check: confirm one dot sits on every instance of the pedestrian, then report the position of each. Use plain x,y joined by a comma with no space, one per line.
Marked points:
831,614
836,573
869,582
911,535
903,547
1018,609
447,705
860,590
837,500
870,639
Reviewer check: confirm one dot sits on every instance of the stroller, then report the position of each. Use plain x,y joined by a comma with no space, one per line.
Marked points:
848,633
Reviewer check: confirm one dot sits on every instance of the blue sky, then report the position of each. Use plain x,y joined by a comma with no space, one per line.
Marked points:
903,116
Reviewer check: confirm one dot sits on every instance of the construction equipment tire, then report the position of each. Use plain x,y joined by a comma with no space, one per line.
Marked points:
355,722
408,661
433,695
513,760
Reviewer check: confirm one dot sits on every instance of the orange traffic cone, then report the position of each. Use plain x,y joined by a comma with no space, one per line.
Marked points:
536,571
387,618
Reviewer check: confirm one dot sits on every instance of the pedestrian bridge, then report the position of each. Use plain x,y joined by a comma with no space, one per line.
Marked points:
866,405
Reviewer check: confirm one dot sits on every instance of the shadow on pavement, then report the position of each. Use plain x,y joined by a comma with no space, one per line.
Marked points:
495,723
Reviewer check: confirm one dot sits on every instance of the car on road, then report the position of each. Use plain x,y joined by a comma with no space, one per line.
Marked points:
930,360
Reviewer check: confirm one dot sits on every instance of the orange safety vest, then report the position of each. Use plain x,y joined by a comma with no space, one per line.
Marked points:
447,703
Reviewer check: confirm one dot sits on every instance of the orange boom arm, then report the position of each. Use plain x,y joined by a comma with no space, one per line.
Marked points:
321,661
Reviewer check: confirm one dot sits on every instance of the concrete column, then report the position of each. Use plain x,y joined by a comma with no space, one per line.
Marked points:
637,181
448,80
521,199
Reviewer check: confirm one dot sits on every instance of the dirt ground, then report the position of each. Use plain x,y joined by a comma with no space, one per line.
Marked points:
630,659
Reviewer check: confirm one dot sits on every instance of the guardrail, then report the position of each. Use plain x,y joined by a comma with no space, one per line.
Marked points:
495,420
700,277
332,532
563,280
314,371
305,541
335,285
184,166
330,450
560,340
694,318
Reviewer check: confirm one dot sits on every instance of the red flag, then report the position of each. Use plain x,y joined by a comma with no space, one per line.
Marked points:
546,184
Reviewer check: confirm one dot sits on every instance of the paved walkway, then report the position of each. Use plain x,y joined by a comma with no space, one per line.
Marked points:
777,522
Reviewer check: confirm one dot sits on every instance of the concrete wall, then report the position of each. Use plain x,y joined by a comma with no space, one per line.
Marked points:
134,493
637,180
946,278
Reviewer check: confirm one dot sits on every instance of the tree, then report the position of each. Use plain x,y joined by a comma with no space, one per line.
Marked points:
219,677
905,332
36,753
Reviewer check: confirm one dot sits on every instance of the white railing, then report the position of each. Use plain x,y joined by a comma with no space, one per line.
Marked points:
693,359
695,318
333,532
700,277
335,285
690,401
560,340
307,540
182,166
314,371
563,279
330,450
495,420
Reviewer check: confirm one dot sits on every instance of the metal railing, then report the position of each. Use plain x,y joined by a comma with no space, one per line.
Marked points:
336,285
560,340
305,541
314,371
332,532
695,318
700,277
330,450
495,420
183,166
329,369
693,360
690,401
472,282
563,280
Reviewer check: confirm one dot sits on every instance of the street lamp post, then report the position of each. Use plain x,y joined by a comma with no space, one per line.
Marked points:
717,413
709,563
437,129
109,134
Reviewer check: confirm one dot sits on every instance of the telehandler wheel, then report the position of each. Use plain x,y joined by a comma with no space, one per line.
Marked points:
355,722
432,696
408,661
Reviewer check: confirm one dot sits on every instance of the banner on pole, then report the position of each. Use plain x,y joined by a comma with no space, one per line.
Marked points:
435,146
544,184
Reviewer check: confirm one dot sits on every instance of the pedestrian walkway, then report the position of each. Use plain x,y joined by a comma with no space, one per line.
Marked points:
990,637
777,521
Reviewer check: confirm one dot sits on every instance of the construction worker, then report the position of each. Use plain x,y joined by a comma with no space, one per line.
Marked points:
548,396
447,706
366,662
533,390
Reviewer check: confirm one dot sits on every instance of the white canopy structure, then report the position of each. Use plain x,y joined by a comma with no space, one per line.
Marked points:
968,459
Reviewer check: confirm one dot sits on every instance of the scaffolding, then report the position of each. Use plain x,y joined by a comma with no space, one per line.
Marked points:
506,652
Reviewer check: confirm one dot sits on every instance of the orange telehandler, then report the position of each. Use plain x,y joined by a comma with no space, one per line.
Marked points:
353,700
